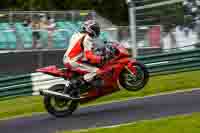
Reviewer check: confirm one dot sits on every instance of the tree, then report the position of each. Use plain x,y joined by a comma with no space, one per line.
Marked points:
4,4
115,10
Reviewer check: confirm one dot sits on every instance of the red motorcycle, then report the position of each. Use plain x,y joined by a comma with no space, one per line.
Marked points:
119,72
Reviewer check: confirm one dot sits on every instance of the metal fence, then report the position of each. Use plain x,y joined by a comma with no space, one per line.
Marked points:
155,36
20,16
43,29
148,36
27,38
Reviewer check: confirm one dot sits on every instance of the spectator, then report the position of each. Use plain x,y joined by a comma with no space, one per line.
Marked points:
43,21
27,22
51,24
35,24
43,30
51,28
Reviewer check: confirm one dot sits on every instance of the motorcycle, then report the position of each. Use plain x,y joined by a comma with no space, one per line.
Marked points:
119,72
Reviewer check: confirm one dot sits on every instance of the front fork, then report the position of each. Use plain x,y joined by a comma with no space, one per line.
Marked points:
131,68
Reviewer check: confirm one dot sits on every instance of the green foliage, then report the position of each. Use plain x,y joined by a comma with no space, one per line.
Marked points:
162,15
117,11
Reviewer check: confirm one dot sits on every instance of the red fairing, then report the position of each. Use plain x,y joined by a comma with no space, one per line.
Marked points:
92,57
122,51
54,71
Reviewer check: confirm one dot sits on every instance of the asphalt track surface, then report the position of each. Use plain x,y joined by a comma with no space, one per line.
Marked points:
109,114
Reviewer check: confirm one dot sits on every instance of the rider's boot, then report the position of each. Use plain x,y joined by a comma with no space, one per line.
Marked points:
97,83
73,88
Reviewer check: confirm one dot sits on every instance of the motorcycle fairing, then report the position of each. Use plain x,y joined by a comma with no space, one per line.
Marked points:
54,71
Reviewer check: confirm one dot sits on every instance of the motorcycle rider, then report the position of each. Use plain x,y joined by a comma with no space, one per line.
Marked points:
80,50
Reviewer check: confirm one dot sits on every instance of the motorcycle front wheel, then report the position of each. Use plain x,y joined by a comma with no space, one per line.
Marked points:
132,82
59,107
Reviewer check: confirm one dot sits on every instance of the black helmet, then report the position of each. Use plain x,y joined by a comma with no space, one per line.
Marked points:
91,27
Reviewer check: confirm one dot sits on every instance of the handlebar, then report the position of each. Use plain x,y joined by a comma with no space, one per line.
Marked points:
107,50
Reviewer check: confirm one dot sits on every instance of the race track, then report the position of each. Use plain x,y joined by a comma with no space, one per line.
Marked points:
109,114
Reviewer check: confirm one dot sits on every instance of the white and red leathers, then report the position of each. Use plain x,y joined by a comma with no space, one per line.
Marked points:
80,50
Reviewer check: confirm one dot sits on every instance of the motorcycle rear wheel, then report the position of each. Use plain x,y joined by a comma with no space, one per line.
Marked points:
132,82
59,107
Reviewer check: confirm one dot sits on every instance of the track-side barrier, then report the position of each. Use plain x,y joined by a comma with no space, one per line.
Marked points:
165,63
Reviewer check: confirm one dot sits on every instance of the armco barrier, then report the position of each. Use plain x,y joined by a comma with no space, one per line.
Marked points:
165,63
172,62
26,61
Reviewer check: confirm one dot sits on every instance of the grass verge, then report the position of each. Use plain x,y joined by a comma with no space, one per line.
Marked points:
175,124
157,84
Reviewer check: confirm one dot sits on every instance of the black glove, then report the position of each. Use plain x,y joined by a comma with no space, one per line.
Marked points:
106,58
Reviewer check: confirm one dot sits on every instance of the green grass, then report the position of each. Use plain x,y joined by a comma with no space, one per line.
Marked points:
157,84
175,124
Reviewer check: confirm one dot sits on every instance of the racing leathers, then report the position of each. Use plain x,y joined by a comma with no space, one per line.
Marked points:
80,50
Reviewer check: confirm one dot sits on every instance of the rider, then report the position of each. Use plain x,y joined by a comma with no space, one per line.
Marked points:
80,50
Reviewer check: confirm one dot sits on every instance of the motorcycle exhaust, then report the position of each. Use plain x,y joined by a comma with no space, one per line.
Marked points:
57,94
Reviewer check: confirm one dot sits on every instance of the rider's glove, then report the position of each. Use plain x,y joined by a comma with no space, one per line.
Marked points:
105,58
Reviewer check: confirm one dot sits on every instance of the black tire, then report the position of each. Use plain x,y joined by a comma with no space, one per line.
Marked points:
51,109
134,85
